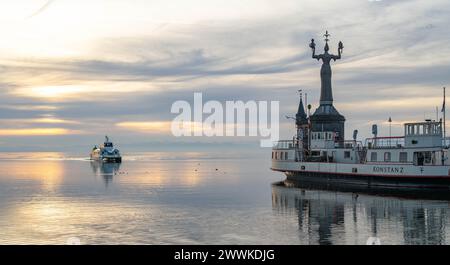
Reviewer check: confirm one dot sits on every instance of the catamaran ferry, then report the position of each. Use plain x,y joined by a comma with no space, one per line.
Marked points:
106,152
319,152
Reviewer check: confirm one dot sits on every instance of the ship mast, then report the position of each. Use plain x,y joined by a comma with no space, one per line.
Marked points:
443,110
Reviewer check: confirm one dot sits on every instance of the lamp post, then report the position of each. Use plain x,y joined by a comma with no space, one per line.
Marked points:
390,130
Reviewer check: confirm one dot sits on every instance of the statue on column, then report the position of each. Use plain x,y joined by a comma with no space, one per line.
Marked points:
326,95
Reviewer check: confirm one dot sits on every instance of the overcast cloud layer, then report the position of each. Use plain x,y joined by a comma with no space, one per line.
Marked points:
72,71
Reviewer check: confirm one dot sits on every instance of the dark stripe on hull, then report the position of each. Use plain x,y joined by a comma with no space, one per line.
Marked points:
112,159
370,180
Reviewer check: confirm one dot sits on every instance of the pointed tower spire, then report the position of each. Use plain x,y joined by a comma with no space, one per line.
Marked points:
300,117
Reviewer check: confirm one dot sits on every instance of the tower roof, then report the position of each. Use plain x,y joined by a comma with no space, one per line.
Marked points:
300,117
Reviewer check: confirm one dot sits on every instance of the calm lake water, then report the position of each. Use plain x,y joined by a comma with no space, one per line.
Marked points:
195,198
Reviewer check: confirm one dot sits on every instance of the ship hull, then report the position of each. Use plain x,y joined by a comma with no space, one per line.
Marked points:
107,159
370,180
298,187
112,159
382,175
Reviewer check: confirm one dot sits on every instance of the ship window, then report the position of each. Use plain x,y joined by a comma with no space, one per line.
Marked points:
403,157
373,157
347,154
428,157
272,155
286,156
387,157
276,155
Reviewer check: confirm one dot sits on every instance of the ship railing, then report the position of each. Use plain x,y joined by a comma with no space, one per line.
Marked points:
446,142
283,144
385,142
349,144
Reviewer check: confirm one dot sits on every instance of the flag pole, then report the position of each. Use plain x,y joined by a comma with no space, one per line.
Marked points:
437,113
443,109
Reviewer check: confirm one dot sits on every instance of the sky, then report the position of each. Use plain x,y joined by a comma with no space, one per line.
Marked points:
73,71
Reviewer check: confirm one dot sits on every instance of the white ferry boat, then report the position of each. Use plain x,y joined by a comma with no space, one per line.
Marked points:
106,152
319,152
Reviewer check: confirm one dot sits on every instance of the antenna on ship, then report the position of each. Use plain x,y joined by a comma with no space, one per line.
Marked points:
437,113
306,103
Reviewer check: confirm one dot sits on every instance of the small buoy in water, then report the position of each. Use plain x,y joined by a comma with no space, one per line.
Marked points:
217,169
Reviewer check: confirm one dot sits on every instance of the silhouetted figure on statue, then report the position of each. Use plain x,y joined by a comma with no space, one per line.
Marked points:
326,96
326,118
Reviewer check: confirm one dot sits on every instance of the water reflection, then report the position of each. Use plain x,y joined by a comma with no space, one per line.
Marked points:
328,215
148,201
105,170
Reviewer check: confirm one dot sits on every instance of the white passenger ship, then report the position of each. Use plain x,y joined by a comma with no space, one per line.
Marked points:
318,151
106,152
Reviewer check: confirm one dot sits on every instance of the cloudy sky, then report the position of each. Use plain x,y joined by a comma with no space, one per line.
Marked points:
73,71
